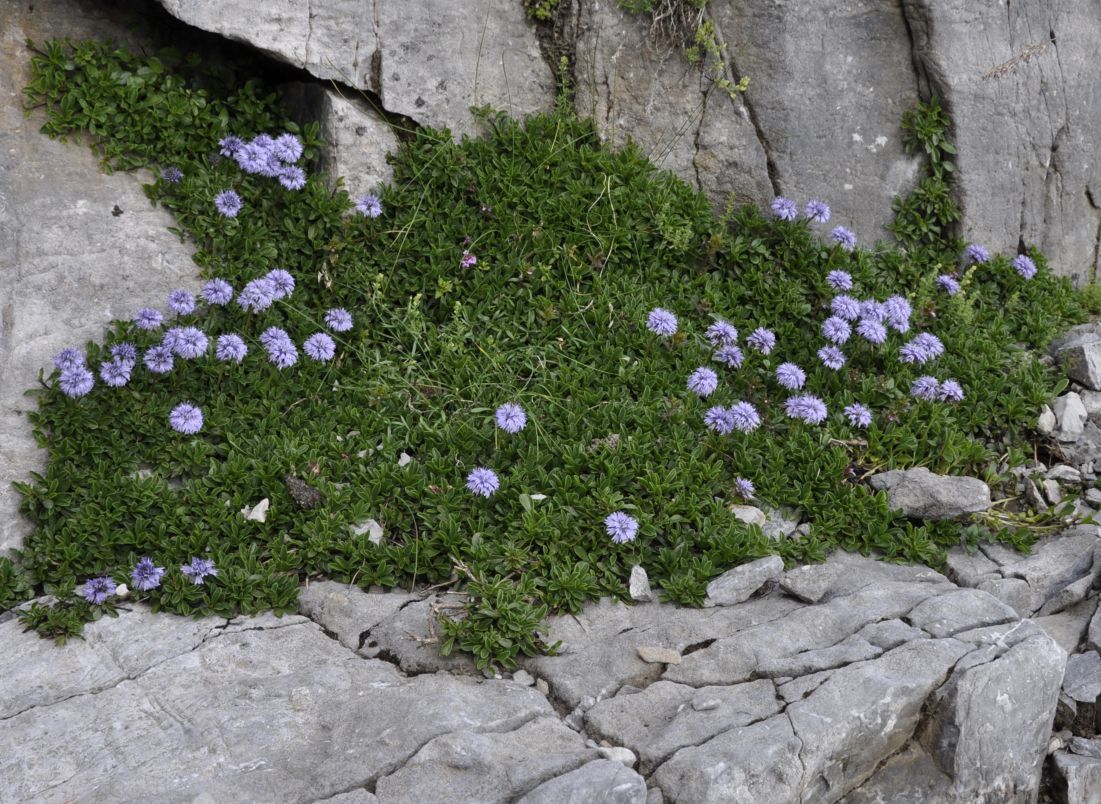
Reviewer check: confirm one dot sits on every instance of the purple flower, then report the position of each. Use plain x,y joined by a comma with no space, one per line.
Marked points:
977,254
189,342
808,408
468,260
181,302
729,355
743,487
257,295
661,322
146,575
921,349
483,482
511,418
228,203
703,381
256,156
721,333
839,280
925,388
172,175
116,373
858,415
831,357
763,340
719,420
198,569
282,281
148,319
274,335
870,308
229,145
621,527
897,313
319,347
217,291
783,208
790,376
283,354
369,206
338,319
818,211
836,329
97,590
844,238
68,359
950,391
292,177
230,347
1024,266
845,307
158,359
186,418
948,284
287,148
871,330
76,382
745,416
125,352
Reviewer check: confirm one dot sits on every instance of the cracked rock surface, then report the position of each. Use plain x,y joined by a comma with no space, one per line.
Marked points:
892,684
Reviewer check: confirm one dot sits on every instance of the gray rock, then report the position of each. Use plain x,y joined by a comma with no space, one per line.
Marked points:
780,523
1003,748
970,568
948,614
1014,592
1053,492
1084,747
920,494
357,137
639,586
1046,422
1068,627
603,780
618,754
1069,595
740,583
410,638
471,766
666,717
285,694
749,514
348,611
1082,679
1070,414
909,777
1078,778
1092,401
1067,475
430,61
638,89
843,573
360,796
1082,362
1093,496
888,634
1032,494
523,677
54,195
654,796
1056,562
850,153
850,649
655,655
758,762
1011,186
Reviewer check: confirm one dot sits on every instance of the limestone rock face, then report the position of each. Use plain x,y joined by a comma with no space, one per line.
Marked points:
430,61
1020,82
920,494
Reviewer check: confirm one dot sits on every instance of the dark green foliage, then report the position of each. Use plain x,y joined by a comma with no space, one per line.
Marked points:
926,216
575,244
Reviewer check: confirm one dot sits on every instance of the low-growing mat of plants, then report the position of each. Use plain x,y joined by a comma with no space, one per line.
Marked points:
518,402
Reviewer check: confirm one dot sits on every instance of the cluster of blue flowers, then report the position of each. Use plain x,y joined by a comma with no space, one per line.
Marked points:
146,576
816,212
190,343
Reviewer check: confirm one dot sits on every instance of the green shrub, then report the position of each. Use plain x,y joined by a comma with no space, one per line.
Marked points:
575,244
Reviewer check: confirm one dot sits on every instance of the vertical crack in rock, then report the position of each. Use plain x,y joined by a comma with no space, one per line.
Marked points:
921,76
730,68
1096,238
